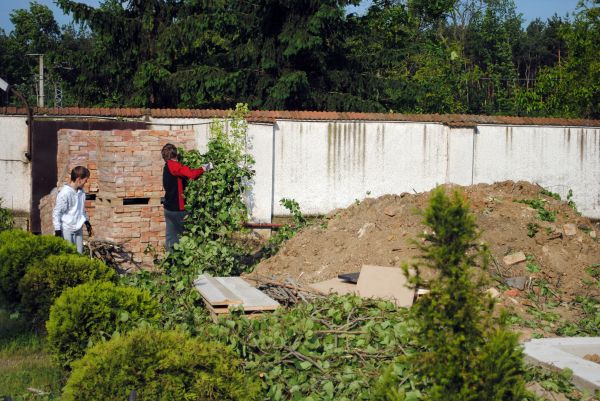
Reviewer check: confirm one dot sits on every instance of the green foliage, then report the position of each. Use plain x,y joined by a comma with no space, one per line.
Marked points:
593,270
589,324
180,304
45,280
331,349
161,366
540,206
214,202
466,355
570,201
551,194
6,218
287,231
423,56
25,364
18,250
555,381
532,229
93,312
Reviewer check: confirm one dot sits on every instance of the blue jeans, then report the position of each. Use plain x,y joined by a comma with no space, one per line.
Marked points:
74,237
174,229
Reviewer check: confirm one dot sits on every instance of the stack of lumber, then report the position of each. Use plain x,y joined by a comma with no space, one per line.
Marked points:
224,294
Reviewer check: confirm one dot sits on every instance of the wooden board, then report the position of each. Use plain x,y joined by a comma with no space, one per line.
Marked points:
385,282
234,292
335,285
214,292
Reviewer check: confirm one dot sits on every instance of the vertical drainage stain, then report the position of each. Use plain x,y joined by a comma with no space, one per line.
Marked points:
363,148
355,145
329,139
582,137
424,142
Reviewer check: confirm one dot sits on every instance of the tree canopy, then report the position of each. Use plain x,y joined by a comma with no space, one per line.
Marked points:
413,56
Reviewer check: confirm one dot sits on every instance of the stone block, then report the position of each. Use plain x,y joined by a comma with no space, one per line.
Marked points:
570,229
514,258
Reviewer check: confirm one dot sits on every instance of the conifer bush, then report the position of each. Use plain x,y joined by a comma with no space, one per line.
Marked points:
45,280
159,366
467,354
93,312
20,249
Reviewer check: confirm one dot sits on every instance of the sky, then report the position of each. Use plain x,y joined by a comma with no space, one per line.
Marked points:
531,9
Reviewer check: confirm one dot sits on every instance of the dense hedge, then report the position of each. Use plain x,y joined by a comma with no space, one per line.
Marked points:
46,279
18,250
93,312
160,366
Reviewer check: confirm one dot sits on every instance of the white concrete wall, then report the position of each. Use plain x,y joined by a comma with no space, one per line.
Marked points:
326,165
557,158
15,170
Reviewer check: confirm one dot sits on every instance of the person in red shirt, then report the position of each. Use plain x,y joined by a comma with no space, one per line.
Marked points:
175,177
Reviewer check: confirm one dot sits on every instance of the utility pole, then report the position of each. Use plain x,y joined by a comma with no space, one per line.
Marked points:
40,97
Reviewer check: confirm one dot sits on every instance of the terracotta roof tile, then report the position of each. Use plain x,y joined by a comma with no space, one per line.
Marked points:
270,116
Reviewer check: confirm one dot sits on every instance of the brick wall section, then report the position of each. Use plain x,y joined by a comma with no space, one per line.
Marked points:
125,166
75,148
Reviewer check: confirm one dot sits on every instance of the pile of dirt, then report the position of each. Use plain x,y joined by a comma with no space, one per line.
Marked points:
377,231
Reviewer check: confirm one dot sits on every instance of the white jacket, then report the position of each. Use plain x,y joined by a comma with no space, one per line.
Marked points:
69,211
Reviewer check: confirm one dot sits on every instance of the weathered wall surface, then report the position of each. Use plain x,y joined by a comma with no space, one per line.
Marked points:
15,170
329,164
325,165
557,158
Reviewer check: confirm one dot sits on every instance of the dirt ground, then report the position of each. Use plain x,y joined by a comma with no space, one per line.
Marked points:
378,231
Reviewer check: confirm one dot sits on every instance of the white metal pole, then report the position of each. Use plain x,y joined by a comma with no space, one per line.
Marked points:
41,92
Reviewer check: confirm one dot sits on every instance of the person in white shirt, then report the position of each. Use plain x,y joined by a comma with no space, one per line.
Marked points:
69,216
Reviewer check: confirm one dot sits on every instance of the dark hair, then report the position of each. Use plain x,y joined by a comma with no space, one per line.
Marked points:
79,172
168,152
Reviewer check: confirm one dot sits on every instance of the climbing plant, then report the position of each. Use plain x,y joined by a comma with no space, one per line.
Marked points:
215,201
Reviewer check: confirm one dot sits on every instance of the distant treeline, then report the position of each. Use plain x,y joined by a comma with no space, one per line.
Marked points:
410,56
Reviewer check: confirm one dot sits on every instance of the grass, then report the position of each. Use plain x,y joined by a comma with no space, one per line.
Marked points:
24,364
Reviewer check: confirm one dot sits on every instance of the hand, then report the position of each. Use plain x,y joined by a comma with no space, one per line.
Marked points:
207,167
58,233
88,227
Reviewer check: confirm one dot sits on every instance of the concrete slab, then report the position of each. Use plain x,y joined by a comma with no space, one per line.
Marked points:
335,285
561,353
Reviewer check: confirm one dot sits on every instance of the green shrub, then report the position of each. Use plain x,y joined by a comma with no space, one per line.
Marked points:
159,366
93,312
6,218
18,252
9,236
467,355
46,279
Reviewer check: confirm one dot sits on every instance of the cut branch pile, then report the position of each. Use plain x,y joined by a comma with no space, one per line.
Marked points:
114,255
287,292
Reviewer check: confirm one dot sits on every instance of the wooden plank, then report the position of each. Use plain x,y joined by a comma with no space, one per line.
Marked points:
214,292
233,291
252,298
385,282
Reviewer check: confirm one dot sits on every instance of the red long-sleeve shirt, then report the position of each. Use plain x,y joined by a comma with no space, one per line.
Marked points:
175,176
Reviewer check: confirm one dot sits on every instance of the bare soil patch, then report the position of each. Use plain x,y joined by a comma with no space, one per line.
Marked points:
379,231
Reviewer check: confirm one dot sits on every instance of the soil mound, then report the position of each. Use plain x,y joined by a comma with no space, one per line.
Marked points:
377,231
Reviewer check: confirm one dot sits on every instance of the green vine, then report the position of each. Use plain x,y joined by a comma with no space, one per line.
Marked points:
215,205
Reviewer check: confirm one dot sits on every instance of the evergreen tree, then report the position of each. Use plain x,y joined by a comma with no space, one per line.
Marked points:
467,354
